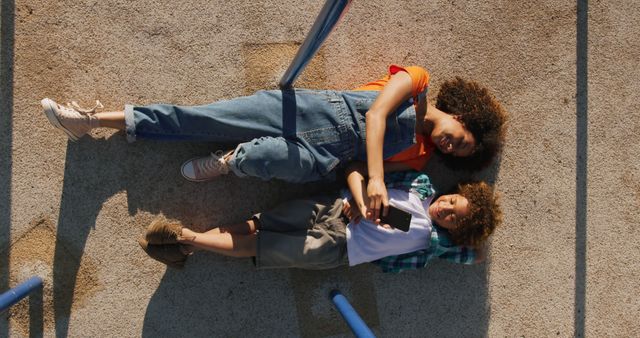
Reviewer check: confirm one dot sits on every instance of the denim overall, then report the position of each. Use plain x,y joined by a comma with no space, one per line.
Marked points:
296,135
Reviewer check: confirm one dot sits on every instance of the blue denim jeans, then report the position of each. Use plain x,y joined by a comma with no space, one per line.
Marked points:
296,135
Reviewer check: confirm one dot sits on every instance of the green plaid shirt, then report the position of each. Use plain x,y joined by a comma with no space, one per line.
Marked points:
440,245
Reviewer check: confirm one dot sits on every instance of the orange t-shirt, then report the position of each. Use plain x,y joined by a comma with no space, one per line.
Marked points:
418,154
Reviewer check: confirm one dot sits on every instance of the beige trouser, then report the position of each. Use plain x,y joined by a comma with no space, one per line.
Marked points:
305,233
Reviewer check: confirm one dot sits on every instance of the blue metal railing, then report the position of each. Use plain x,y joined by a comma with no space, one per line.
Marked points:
357,325
329,16
16,294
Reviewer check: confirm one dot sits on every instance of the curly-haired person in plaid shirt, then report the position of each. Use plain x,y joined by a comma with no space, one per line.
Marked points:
324,232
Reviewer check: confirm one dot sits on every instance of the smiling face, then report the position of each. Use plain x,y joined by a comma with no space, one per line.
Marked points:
451,137
447,210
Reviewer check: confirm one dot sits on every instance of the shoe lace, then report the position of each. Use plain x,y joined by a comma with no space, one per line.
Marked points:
74,105
215,163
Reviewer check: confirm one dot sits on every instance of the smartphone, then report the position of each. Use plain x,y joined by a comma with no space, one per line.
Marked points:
397,219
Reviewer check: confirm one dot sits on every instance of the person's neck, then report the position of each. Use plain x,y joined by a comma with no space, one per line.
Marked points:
431,118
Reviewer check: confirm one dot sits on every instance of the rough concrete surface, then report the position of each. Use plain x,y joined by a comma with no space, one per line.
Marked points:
565,262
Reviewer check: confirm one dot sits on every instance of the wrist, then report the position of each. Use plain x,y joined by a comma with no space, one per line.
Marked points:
376,178
187,236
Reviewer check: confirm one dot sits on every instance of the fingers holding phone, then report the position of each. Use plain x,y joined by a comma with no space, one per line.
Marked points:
378,199
385,226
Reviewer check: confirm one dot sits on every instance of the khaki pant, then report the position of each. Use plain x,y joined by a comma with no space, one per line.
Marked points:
305,233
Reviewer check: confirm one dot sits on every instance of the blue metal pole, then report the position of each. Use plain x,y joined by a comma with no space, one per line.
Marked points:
329,16
357,325
14,295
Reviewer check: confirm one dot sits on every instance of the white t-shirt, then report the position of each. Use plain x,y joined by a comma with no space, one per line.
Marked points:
367,241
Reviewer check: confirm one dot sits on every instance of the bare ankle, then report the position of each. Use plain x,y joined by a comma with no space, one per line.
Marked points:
112,119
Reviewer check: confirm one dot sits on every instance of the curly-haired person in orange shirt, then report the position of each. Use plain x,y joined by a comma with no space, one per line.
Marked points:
302,135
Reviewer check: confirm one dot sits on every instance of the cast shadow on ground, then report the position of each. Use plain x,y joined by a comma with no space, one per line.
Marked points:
36,313
207,293
582,139
7,41
197,300
148,171
205,298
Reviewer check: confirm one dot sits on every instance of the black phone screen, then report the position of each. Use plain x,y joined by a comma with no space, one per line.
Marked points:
397,218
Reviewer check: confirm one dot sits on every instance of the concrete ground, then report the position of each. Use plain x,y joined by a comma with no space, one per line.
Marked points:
565,262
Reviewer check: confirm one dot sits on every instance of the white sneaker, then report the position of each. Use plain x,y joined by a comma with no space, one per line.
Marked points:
201,169
73,120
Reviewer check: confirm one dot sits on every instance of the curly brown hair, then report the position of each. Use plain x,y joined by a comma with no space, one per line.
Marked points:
484,214
481,113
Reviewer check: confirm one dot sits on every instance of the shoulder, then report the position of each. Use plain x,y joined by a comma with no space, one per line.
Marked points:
414,71
419,78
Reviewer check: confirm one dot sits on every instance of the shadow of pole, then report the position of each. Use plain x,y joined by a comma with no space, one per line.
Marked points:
66,267
582,117
83,193
7,38
36,313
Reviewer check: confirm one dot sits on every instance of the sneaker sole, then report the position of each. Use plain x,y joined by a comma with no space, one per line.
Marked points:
193,179
50,110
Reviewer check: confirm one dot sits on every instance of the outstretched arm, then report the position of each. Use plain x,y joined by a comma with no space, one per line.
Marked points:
396,91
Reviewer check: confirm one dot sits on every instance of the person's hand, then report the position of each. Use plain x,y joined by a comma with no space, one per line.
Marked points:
353,213
385,226
378,200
